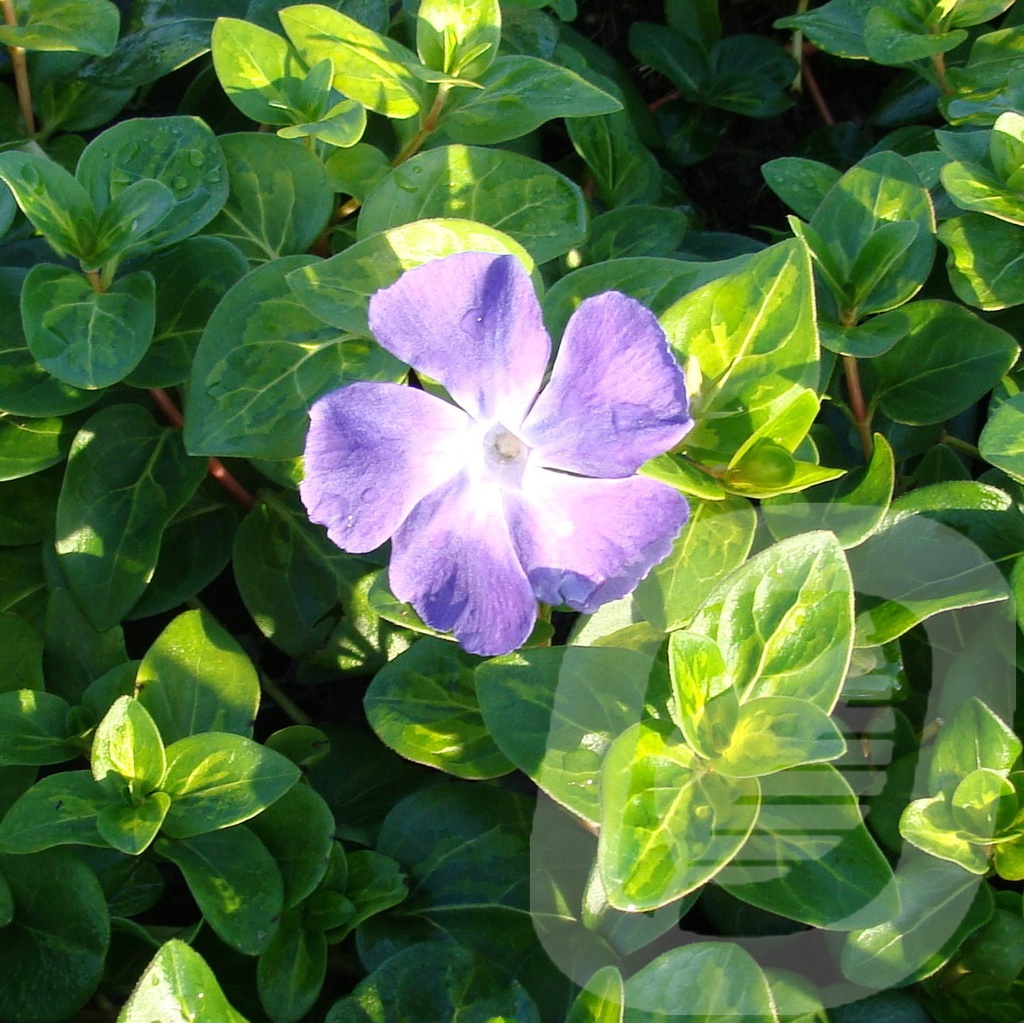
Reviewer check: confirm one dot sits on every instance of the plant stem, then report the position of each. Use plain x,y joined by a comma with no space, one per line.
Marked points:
95,281
20,69
290,708
216,467
939,61
861,418
960,445
427,129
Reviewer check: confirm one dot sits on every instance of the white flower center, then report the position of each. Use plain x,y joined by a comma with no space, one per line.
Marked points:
505,456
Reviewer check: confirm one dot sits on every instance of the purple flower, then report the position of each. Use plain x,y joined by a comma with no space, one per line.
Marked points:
508,496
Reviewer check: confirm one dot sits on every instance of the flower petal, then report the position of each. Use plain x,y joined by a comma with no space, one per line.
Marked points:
472,322
373,452
584,542
453,561
617,396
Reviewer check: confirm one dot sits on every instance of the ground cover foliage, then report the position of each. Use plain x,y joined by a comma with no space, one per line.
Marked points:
779,780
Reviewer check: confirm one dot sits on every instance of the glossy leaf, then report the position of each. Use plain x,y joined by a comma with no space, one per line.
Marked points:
974,737
1001,440
949,359
460,40
435,983
668,823
752,334
132,829
538,207
60,809
602,1000
216,779
280,198
177,984
195,678
717,539
852,507
985,256
291,969
86,338
554,711
28,446
53,951
368,67
810,858
784,621
83,26
940,904
126,478
23,654
34,728
263,359
423,705
127,751
235,882
518,95
722,981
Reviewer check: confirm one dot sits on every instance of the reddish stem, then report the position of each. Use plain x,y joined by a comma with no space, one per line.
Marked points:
815,92
217,468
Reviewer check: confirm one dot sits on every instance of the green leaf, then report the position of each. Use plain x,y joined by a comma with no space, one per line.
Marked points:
127,751
979,190
300,811
336,290
368,67
22,585
949,359
940,904
58,207
356,171
679,57
852,507
28,506
438,834
881,189
125,224
520,94
60,809
191,279
375,884
753,335
721,981
831,874
132,829
435,983
716,540
423,705
984,261
291,969
341,125
776,733
216,779
634,231
195,678
669,824
262,361
53,951
235,882
973,737
26,388
34,726
458,39
800,183
181,153
784,621
28,446
874,337
178,983
280,198
836,27
307,596
706,707
901,34
23,654
535,205
554,711
86,338
900,587
126,478
83,26
602,999
750,75
257,69
1002,439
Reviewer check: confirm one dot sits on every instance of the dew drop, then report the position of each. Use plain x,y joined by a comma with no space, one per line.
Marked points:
214,177
196,158
180,182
